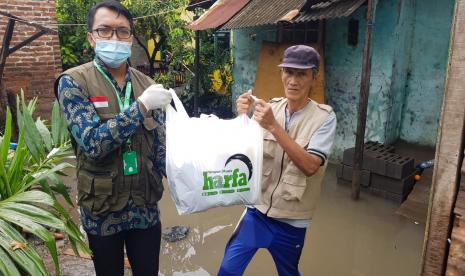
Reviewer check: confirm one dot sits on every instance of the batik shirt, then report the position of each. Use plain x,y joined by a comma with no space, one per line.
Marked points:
97,139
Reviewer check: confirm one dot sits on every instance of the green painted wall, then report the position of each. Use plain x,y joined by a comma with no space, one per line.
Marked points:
246,48
427,70
391,45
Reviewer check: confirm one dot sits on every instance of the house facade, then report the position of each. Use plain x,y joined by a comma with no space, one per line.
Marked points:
409,60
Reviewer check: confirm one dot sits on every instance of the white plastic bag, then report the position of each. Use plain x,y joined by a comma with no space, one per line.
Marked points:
212,162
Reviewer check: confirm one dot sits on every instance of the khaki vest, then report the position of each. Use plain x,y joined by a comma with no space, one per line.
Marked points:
286,191
102,186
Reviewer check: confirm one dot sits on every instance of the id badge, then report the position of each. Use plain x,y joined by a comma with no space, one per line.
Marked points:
130,163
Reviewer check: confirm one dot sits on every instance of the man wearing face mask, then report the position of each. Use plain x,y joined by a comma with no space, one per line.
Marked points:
116,121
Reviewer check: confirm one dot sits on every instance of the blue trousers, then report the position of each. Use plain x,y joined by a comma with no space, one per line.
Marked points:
283,241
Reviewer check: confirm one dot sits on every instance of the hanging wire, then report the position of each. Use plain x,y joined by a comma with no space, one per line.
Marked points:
52,24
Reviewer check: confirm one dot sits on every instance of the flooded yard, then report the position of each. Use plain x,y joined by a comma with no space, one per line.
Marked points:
346,237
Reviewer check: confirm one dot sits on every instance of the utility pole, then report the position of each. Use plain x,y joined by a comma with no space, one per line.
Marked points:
363,105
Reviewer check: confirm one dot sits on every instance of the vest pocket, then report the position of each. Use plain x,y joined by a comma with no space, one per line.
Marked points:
293,187
269,144
94,191
266,179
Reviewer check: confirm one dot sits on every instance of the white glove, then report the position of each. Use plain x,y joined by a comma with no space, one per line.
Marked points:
154,97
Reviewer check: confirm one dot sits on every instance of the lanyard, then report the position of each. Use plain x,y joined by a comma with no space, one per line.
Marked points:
127,96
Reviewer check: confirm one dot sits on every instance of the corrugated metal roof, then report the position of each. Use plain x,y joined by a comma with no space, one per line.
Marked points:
218,14
262,12
328,9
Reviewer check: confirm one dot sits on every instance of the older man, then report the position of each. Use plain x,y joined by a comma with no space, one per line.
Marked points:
298,136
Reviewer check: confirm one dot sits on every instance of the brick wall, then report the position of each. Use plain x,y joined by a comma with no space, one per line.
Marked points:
34,67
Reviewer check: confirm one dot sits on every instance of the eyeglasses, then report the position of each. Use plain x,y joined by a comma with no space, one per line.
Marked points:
121,33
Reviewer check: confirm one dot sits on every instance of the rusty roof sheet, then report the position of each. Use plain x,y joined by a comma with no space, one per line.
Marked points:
219,13
263,12
328,9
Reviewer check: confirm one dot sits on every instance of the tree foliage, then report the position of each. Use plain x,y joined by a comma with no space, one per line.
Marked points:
165,23
74,47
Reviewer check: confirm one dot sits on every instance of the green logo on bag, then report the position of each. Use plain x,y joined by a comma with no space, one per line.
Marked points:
227,181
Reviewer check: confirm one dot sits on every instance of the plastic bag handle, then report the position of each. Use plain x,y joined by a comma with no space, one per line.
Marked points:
180,110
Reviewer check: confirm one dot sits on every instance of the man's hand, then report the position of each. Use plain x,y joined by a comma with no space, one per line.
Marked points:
154,97
264,115
244,103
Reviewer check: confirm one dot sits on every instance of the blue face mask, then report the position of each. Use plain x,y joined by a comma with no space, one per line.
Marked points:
113,52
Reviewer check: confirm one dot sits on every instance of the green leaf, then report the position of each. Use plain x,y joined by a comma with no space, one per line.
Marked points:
27,258
36,229
45,133
17,167
72,230
5,189
7,267
6,138
45,174
60,188
36,197
33,213
56,124
32,138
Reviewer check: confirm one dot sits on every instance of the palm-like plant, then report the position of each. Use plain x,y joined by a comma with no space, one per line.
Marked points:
29,183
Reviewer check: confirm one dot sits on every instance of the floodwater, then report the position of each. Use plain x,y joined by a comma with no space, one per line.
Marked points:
346,237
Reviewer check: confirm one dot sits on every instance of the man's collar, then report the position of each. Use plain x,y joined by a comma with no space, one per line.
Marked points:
107,72
296,112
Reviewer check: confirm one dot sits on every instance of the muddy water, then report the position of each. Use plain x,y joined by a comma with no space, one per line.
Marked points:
363,238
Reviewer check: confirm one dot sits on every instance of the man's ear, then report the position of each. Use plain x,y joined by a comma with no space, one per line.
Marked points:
91,40
314,74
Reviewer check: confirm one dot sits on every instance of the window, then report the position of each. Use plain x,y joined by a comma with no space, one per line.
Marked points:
352,35
302,33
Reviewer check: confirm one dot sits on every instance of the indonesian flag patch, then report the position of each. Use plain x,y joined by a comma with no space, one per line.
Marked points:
99,101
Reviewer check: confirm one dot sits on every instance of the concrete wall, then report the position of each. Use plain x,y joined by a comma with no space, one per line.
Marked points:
342,66
427,70
402,47
391,46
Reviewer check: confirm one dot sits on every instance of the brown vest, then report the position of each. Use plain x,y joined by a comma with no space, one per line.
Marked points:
102,185
286,191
